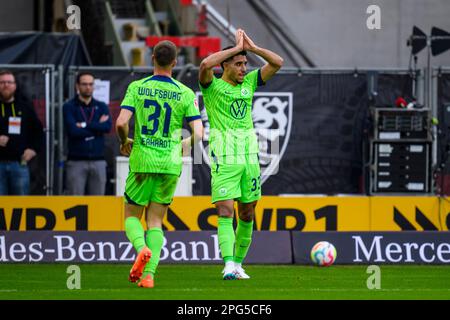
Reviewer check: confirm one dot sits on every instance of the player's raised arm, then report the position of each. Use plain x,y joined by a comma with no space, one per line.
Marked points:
274,61
207,65
122,130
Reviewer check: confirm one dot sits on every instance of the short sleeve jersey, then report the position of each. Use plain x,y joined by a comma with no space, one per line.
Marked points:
159,104
229,110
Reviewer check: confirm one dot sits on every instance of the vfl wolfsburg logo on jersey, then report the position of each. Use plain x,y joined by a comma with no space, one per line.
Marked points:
272,119
238,109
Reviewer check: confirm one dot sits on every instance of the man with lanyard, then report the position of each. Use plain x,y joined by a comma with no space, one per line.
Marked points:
86,121
21,137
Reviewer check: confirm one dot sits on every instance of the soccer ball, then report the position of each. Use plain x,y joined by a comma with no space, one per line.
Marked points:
323,254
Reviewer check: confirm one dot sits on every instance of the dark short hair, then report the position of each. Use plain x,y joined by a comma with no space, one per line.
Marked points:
82,74
242,53
5,72
165,52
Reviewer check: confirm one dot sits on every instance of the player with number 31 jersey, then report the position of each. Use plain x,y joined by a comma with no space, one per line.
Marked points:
159,104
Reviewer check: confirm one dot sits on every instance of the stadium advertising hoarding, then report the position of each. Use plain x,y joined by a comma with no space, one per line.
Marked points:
61,213
114,247
425,247
283,213
346,213
283,247
408,213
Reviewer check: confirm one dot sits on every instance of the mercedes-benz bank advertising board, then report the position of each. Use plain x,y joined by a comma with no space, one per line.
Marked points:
282,247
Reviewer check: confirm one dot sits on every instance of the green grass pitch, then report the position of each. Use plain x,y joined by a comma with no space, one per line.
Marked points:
192,282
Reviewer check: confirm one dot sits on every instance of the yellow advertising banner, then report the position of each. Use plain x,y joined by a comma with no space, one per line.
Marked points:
405,213
315,213
444,213
61,213
278,213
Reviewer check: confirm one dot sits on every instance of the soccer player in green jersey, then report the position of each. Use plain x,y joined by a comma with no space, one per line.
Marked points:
159,104
235,171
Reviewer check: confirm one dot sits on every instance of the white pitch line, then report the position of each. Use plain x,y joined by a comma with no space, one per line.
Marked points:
228,289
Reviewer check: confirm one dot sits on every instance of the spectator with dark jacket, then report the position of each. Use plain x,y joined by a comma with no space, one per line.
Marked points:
21,138
86,121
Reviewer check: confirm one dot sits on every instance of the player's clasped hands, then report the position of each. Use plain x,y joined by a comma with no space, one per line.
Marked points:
248,43
243,40
240,38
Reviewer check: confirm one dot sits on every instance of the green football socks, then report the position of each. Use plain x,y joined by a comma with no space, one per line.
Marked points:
155,240
135,232
244,233
226,236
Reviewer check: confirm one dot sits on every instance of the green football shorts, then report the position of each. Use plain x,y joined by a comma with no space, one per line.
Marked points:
143,188
236,177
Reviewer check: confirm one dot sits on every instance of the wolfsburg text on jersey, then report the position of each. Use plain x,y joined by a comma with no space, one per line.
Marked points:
158,93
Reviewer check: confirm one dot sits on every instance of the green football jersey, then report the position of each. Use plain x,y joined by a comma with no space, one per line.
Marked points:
229,110
159,104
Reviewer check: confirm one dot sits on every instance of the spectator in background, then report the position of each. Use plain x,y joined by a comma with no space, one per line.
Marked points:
21,138
86,120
